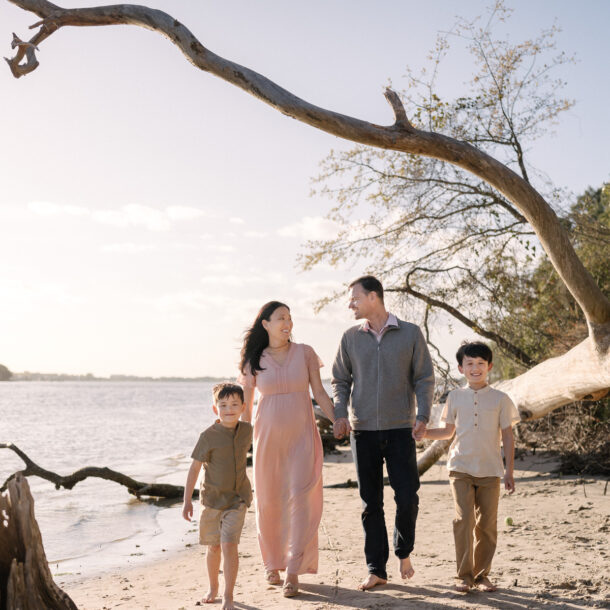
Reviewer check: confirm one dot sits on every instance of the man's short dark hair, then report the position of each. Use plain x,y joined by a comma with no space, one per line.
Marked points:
369,283
226,389
474,349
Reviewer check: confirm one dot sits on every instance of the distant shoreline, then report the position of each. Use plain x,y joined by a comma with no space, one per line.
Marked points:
27,376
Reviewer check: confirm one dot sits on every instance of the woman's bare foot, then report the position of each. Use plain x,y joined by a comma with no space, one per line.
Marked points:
406,568
210,596
486,585
462,586
372,580
227,603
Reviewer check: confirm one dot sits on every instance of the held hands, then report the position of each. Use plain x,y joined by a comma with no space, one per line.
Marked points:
187,510
341,427
419,432
509,482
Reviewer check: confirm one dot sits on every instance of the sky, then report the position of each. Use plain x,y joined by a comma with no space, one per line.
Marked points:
148,209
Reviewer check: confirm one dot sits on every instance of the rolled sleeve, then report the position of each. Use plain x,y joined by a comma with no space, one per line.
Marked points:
508,413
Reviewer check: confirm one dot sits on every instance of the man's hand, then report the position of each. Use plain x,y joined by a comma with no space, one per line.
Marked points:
341,427
509,482
419,431
187,510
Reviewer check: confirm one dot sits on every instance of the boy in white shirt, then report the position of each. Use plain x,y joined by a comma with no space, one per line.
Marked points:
479,416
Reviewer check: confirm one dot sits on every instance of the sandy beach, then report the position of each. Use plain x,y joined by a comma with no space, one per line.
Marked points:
555,555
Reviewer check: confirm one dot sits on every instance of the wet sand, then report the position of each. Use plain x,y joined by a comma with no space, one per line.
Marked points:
555,555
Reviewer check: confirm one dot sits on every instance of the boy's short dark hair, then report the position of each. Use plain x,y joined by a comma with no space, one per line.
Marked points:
226,389
369,283
474,349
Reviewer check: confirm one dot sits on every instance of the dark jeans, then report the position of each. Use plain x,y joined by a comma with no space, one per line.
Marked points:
397,447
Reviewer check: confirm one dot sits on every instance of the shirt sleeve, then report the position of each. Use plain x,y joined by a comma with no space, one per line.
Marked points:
311,358
341,379
508,412
448,414
202,449
423,377
247,379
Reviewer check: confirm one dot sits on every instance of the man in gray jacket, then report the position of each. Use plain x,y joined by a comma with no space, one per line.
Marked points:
381,367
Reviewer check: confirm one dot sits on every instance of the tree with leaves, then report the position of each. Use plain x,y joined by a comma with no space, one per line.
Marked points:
5,374
447,134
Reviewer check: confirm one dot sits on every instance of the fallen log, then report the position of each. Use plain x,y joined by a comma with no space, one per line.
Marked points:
136,488
26,582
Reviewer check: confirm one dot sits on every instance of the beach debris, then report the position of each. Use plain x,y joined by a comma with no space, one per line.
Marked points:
136,488
508,520
23,562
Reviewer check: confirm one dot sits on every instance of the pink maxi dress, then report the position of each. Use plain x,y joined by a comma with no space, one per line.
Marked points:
287,462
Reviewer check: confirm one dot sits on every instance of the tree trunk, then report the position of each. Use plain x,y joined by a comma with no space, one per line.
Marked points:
26,582
580,373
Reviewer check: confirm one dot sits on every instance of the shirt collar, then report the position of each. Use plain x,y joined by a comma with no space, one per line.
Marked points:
390,322
485,389
229,431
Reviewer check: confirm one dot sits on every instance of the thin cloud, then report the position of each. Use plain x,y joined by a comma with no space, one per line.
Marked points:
128,248
310,227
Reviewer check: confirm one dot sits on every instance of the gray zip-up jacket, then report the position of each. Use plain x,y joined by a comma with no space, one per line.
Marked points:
380,380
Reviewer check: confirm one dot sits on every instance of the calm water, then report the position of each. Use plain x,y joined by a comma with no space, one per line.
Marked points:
143,429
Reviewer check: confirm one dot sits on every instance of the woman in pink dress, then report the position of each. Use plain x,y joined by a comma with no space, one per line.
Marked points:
287,448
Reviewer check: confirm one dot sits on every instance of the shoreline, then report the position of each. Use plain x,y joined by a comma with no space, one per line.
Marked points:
554,554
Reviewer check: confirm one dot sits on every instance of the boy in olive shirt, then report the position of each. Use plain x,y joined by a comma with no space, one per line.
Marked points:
225,492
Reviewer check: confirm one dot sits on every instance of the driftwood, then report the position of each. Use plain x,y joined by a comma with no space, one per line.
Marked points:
136,488
26,582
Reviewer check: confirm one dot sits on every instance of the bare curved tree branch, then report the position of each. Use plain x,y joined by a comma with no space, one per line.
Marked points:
136,488
400,136
518,353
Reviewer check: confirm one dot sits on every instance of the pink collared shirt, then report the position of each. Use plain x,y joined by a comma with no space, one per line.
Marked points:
391,321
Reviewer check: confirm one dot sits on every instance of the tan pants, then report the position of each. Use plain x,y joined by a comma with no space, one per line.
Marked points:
475,524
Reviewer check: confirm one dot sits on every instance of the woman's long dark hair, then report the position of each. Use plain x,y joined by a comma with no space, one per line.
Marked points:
256,339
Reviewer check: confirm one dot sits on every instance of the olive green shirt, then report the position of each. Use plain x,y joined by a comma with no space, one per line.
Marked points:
223,452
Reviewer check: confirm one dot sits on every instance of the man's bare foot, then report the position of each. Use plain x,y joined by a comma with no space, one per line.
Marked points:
462,586
210,596
406,568
227,603
486,585
372,580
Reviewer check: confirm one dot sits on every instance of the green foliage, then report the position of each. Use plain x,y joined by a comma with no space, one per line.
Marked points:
5,374
434,231
543,318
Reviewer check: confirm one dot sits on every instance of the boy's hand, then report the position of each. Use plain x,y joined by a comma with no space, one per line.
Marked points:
187,510
509,482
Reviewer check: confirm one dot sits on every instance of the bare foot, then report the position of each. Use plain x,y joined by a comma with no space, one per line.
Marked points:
462,586
406,569
210,596
486,585
227,603
371,581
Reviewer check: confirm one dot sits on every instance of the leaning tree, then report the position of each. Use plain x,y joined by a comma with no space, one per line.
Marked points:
582,371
